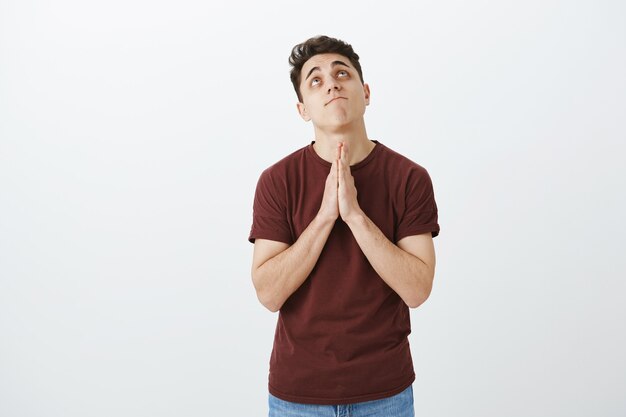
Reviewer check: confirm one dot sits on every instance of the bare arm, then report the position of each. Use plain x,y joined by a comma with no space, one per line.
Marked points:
278,269
409,267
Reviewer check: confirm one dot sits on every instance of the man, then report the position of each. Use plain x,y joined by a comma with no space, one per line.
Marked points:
342,231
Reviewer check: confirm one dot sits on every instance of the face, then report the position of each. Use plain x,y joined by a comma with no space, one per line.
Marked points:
332,93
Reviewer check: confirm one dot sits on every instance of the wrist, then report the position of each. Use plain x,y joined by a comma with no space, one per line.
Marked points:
355,219
325,219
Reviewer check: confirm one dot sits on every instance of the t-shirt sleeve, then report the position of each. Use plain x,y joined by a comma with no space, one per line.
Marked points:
269,213
420,209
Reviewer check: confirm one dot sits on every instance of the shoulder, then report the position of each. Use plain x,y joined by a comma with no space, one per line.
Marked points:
280,170
286,163
401,166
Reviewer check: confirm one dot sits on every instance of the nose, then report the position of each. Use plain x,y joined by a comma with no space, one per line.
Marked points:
334,85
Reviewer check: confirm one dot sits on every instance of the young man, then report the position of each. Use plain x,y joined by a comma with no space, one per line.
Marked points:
342,231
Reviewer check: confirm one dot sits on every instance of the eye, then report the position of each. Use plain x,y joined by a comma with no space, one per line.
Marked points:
342,73
315,81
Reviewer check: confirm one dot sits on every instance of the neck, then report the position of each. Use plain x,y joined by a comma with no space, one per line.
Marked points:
355,139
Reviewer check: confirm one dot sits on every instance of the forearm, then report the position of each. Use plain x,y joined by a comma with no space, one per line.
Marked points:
406,274
279,277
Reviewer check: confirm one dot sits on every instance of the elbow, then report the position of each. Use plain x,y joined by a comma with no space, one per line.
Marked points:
269,303
415,302
422,284
263,295
418,297
272,307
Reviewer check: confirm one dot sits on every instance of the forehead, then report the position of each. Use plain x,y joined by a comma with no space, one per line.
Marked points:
323,61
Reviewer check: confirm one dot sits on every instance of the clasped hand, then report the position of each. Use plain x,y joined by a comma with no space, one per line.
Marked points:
340,192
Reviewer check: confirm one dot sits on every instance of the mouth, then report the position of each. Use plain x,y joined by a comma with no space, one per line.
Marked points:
336,98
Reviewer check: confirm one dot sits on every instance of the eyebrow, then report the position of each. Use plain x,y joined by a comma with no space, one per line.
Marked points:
332,64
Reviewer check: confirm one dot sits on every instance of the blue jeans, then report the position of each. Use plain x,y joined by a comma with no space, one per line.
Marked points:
399,405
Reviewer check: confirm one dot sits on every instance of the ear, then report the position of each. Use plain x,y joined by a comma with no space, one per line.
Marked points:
366,90
303,113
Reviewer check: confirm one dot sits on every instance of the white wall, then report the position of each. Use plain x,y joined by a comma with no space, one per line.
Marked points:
132,134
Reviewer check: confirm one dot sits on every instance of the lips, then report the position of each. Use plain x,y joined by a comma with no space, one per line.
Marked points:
333,99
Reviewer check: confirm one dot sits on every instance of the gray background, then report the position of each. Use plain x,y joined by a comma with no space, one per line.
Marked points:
132,134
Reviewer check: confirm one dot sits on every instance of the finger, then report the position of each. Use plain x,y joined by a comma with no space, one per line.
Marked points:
339,146
344,153
334,168
341,170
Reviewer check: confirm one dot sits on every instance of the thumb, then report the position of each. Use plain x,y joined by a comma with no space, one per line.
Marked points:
341,173
334,170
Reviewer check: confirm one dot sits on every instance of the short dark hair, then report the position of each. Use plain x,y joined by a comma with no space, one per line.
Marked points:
302,52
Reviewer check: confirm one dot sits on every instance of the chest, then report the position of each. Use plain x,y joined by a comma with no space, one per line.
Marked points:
375,194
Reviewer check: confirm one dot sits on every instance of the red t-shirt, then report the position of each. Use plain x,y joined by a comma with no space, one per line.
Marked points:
342,336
